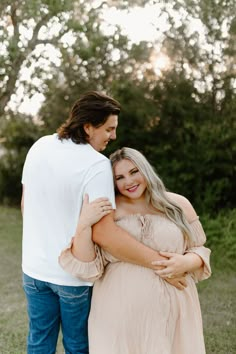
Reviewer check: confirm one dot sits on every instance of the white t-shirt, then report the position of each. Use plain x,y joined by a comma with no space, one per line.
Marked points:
56,175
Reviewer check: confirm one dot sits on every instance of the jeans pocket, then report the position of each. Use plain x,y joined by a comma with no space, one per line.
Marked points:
29,284
71,293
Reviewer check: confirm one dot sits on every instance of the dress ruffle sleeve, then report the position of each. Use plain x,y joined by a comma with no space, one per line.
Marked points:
195,245
89,271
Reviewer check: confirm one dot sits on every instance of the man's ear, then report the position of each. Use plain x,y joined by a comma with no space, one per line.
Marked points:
87,128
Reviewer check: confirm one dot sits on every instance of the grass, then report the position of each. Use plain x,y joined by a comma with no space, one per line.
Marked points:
13,313
217,296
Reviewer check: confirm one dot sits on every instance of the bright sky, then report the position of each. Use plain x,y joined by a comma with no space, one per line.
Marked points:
140,23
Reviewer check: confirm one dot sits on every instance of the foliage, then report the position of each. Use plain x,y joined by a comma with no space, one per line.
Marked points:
196,147
221,236
197,102
90,66
87,63
18,134
24,26
34,36
182,119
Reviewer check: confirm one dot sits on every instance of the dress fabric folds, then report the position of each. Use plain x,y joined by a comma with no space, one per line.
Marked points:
134,311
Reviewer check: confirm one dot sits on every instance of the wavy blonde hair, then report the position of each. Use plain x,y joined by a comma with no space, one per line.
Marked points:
156,192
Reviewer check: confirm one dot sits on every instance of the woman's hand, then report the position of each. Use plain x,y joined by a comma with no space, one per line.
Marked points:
92,212
83,246
177,264
178,282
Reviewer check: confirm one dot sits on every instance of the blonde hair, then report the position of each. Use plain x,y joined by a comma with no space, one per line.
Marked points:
156,191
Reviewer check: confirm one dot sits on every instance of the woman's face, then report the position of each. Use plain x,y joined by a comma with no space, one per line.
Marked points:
129,181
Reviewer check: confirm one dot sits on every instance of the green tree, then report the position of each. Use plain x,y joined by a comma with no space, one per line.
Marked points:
192,152
24,26
30,30
18,134
91,65
183,119
197,102
92,60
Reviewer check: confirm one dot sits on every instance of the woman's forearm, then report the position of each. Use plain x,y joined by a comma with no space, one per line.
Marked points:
83,246
194,262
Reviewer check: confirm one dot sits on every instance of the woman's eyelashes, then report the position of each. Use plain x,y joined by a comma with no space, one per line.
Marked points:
117,178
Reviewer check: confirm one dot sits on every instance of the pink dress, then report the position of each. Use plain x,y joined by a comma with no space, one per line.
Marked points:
134,311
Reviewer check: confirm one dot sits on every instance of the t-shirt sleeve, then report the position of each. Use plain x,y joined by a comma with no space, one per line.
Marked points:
99,182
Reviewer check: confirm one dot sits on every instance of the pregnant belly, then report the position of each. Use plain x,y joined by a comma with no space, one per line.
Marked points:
133,292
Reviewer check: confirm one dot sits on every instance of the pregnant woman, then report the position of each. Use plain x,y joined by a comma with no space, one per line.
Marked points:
135,310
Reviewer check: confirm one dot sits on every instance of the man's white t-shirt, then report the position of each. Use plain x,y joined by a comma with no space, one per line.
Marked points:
56,175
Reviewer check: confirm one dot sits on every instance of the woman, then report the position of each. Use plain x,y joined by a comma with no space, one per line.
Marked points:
134,310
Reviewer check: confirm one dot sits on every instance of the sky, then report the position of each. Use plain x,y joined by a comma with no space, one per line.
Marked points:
139,23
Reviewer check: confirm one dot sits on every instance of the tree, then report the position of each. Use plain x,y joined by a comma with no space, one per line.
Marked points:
25,25
90,65
18,134
29,30
182,118
92,60
197,102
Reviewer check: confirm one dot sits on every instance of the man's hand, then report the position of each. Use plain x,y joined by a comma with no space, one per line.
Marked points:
179,282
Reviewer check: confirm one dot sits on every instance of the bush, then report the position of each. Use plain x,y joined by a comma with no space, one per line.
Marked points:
18,133
221,236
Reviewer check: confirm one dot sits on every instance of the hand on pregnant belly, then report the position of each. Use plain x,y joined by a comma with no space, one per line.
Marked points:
175,266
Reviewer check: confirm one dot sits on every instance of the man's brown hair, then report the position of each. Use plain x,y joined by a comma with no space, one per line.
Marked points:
93,107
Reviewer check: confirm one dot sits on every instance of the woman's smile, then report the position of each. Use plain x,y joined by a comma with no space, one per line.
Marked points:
129,181
133,189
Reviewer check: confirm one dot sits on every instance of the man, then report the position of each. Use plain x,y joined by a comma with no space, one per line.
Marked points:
59,170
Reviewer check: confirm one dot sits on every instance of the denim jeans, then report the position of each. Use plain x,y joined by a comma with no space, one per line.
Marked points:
51,306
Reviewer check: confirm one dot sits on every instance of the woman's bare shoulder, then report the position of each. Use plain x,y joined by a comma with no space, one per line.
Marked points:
120,210
184,204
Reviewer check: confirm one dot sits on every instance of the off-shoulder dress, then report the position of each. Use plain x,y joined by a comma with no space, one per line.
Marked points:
134,311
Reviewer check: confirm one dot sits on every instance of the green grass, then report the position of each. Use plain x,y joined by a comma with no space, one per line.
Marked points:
13,313
217,294
217,297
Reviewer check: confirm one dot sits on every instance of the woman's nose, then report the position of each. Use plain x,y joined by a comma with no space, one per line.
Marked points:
129,181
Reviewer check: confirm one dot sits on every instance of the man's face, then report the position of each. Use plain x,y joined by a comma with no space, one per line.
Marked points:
98,138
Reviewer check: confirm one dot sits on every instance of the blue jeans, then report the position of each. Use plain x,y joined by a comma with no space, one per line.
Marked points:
51,306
